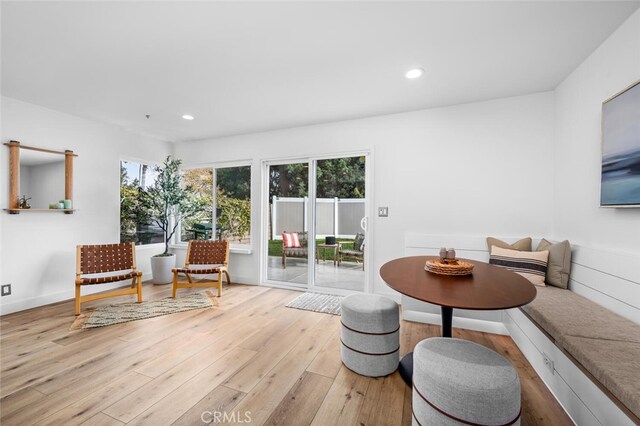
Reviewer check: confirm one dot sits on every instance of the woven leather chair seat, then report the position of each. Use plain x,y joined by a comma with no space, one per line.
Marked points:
198,271
110,279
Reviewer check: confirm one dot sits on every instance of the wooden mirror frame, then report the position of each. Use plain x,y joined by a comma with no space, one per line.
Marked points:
14,177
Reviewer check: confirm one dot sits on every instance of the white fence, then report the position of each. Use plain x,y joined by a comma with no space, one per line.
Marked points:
334,216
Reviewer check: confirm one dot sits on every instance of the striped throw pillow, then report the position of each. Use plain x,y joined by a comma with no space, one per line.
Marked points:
291,240
530,264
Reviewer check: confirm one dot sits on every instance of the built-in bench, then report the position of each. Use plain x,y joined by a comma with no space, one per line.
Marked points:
603,344
584,343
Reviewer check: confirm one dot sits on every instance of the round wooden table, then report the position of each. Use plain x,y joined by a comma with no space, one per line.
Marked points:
488,288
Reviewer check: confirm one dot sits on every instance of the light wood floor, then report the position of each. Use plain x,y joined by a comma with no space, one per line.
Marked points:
248,356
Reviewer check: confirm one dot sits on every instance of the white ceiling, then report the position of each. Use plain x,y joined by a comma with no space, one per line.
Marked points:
247,67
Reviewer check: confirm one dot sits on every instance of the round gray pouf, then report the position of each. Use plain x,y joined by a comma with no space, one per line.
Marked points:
459,382
370,334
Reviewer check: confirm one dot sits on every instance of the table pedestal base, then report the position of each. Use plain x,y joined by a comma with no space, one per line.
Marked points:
406,368
447,319
406,363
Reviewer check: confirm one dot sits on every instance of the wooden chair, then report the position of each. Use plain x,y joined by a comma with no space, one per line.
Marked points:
117,259
357,251
209,257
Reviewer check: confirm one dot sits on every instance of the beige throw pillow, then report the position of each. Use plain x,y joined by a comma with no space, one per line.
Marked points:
559,264
530,264
522,245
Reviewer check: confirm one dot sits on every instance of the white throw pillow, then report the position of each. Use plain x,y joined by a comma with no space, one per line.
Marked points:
530,264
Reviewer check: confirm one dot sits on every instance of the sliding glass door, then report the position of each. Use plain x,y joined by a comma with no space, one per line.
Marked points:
287,259
316,226
339,222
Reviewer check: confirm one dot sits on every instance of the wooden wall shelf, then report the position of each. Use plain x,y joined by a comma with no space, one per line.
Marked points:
18,211
14,177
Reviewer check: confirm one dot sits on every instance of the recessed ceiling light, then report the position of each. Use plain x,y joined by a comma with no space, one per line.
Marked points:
188,117
415,73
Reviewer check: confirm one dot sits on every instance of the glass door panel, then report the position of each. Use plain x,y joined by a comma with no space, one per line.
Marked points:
340,212
288,244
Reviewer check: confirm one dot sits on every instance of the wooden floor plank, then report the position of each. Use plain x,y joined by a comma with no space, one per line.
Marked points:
300,405
249,376
102,419
263,399
212,407
173,367
407,416
91,405
328,361
383,402
344,400
22,399
142,399
175,404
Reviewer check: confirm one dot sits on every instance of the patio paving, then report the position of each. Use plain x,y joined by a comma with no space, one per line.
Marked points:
348,276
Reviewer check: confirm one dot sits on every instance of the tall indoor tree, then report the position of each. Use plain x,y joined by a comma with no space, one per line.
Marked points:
168,201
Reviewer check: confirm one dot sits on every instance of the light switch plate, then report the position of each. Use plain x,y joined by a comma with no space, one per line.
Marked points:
6,290
383,211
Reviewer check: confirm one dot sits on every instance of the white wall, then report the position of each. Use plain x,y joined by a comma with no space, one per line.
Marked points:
476,169
38,249
578,105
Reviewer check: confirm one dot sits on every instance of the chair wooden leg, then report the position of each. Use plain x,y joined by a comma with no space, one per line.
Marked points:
219,284
188,278
77,299
139,280
175,284
284,261
226,273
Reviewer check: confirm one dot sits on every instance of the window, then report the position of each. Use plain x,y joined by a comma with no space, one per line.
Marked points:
232,199
134,220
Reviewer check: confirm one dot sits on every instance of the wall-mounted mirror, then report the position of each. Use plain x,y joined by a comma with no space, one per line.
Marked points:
40,179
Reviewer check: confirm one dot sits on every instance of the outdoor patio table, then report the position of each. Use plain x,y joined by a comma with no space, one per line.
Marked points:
324,247
489,287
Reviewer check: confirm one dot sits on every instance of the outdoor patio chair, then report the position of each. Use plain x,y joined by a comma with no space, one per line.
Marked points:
294,244
204,258
106,263
356,252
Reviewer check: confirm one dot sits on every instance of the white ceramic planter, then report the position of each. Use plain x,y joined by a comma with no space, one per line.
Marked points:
161,268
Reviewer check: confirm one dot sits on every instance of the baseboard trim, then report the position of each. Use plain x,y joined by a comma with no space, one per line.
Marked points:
459,322
62,296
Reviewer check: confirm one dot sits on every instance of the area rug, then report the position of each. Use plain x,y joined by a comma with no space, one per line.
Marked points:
317,302
124,312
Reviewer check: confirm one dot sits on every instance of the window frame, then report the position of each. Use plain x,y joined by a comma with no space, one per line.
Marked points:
243,248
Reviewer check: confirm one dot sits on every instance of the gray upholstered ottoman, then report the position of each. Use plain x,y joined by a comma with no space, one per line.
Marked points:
459,382
370,334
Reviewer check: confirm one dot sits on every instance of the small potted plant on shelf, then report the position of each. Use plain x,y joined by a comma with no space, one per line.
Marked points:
168,202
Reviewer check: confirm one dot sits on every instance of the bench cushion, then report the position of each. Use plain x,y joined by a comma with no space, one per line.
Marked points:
604,343
564,313
616,364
